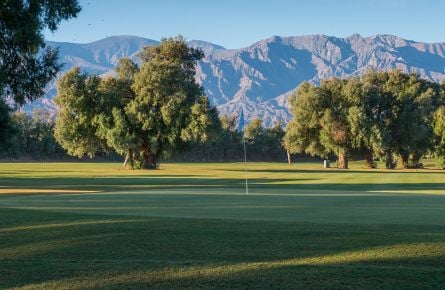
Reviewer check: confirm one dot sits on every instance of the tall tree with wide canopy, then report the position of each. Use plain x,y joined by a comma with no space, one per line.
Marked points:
335,133
145,113
360,98
320,124
402,114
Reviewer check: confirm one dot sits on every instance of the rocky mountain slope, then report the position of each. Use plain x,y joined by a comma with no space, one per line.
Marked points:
261,76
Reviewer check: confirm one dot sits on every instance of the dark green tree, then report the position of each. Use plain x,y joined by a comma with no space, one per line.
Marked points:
80,101
264,143
359,98
145,114
439,130
335,132
229,140
382,114
303,131
33,138
8,130
26,64
320,124
402,116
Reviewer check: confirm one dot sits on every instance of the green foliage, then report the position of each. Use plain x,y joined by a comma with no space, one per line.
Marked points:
80,102
403,116
7,130
381,114
302,132
320,125
26,65
226,143
439,131
145,113
32,137
264,143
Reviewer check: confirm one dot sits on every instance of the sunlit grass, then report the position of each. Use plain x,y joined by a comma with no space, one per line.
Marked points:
91,225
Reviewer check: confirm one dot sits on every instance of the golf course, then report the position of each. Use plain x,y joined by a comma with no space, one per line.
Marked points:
192,225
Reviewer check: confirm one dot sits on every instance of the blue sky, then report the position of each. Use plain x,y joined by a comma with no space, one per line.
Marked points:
239,23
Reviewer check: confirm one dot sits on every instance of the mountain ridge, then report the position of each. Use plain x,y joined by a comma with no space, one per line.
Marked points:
259,77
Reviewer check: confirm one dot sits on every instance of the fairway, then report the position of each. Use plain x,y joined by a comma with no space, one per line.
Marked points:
98,225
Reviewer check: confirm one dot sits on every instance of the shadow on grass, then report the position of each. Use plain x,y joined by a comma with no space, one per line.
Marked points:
343,171
167,182
95,252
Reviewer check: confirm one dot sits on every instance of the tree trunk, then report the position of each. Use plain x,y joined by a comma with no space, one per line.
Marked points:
389,160
342,162
369,159
289,159
414,160
405,160
126,159
129,159
150,159
224,153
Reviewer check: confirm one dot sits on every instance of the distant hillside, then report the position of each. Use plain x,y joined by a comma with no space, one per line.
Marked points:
261,76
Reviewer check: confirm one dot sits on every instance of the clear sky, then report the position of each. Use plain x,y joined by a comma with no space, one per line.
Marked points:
239,23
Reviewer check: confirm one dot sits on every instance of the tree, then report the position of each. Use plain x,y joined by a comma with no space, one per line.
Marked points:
303,131
439,130
264,143
80,102
402,115
145,113
254,130
335,134
359,117
320,121
26,64
229,139
7,130
382,114
272,142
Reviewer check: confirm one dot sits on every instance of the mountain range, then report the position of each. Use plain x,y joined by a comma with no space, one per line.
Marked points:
260,77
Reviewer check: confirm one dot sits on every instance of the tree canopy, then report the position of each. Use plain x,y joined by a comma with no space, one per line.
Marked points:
379,115
26,63
144,113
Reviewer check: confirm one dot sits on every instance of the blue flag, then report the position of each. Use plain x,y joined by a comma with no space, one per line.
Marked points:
241,122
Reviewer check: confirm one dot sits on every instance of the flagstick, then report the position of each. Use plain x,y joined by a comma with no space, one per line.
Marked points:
245,163
241,129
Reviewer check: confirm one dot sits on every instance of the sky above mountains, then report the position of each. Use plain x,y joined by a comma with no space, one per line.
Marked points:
238,23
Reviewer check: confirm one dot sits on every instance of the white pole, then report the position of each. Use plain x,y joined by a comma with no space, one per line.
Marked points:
245,162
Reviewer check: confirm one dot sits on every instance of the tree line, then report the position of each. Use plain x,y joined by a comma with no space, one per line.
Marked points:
153,111
386,116
32,138
262,144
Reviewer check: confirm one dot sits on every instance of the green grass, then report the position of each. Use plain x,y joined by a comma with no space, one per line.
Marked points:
89,225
